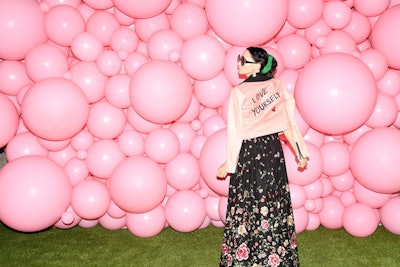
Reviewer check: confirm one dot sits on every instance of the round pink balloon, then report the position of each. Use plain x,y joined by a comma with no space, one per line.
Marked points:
385,112
384,36
213,93
185,134
166,98
337,14
189,20
304,13
295,51
301,219
76,170
343,182
376,62
368,197
390,215
140,124
34,193
185,211
390,83
320,93
146,224
371,8
297,195
86,46
254,14
183,171
161,145
102,24
138,184
336,158
82,141
359,27
10,120
373,160
337,41
62,23
142,9
12,77
111,223
331,215
109,63
131,143
116,90
55,109
124,39
24,144
90,199
145,28
360,220
163,43
21,28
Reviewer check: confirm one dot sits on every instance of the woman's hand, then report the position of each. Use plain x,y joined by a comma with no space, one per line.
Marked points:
221,172
302,163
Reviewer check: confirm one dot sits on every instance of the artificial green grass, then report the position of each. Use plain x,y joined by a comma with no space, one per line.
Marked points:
98,246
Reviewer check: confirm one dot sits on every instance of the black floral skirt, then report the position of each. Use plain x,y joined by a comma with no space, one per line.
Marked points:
259,227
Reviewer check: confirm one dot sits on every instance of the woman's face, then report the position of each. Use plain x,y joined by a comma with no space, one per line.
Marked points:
249,66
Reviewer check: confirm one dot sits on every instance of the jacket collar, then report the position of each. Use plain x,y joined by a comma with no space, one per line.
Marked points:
258,78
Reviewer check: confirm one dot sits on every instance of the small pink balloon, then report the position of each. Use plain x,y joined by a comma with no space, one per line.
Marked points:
183,172
337,41
116,90
189,20
202,57
122,18
34,193
360,220
297,195
197,145
347,198
21,28
337,14
343,182
145,28
90,199
68,215
99,4
390,215
109,63
138,184
185,211
351,138
115,211
88,223
371,8
76,170
317,30
106,121
82,140
102,24
146,224
212,207
140,124
162,145
162,43
295,51
140,9
304,13
61,157
336,158
12,76
376,62
213,124
111,223
314,190
359,27
192,112
62,23
55,114
390,83
385,112
368,197
124,39
301,219
86,46
213,93
185,134
331,215
133,62
131,143
24,144
313,222
373,160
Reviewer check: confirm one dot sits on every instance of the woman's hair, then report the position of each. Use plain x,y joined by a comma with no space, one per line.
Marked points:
261,56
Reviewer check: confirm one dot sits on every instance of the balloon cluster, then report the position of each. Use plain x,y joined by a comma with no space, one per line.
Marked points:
114,111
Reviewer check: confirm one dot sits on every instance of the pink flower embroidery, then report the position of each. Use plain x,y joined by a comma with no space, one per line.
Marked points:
242,253
230,260
273,260
264,224
224,249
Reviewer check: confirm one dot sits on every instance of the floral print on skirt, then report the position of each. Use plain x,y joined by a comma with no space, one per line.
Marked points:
259,227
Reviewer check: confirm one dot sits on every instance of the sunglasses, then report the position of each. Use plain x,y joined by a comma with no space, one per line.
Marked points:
243,61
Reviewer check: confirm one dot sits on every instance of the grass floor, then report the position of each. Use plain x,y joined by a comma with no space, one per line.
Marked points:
98,246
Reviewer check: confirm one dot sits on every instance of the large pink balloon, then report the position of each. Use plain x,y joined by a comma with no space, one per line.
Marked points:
360,220
390,215
9,121
385,35
185,211
374,161
320,93
138,184
142,9
146,224
254,15
55,109
21,28
34,193
165,98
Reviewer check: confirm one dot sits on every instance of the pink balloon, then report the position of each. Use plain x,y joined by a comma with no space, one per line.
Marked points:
102,24
373,160
185,211
347,198
297,195
308,175
145,28
202,57
111,223
102,158
86,46
317,30
12,76
116,90
359,27
90,199
124,40
62,23
34,193
24,144
146,224
390,215
331,215
352,137
21,28
99,4
73,3
304,13
385,112
211,157
82,140
189,20
376,62
122,18
140,124
55,114
115,211
295,50
212,207
368,197
213,124
138,184
131,143
133,62
88,223
161,145
45,61
241,32
68,220
336,41
320,93
90,80
390,83
170,94
360,220
141,9
197,145
213,93
76,170
54,145
337,14
313,222
383,38
183,171
192,112
106,121
109,63
371,8
301,219
185,134
336,158
343,182
163,43
10,120
61,157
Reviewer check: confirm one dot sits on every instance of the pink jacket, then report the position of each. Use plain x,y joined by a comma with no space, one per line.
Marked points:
258,109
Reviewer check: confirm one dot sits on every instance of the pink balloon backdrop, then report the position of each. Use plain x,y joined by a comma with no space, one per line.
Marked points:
114,112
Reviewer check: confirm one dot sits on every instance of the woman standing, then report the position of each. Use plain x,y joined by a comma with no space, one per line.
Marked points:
259,227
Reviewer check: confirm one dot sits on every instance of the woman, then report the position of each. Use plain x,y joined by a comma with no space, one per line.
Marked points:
259,227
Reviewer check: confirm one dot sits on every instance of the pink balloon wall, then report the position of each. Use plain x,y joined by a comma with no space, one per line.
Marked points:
113,112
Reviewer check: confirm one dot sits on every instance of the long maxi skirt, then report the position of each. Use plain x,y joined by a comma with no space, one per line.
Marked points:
259,227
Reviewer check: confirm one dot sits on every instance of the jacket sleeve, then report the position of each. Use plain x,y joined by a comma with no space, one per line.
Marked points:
234,131
292,133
